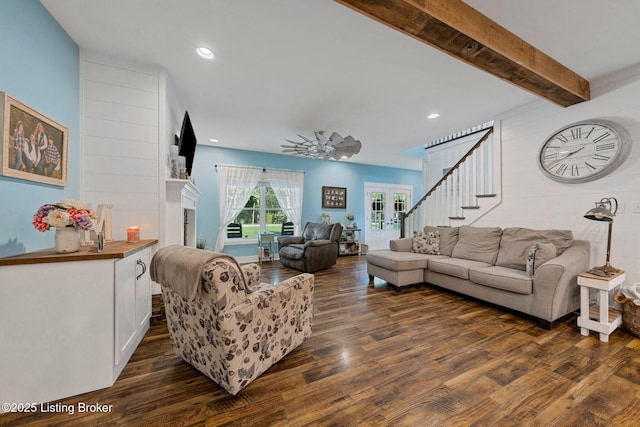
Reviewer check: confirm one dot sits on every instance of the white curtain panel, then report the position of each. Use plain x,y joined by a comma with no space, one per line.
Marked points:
235,185
288,186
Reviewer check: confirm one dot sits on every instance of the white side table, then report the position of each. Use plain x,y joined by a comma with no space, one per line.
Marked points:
265,247
599,318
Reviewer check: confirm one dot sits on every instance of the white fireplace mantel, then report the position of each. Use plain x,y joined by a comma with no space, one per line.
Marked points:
182,195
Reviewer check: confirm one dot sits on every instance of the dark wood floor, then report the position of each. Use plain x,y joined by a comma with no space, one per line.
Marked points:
423,357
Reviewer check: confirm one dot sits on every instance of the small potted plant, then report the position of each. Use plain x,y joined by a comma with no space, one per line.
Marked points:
350,218
201,243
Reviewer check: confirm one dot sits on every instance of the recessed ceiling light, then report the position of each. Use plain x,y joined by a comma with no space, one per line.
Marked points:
433,116
205,53
214,140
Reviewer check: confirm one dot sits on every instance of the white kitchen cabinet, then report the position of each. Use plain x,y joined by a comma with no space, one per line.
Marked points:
70,322
133,305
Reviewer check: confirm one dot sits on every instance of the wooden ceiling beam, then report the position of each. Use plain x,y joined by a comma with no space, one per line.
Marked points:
464,33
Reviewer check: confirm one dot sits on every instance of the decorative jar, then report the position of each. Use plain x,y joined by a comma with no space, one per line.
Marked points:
67,239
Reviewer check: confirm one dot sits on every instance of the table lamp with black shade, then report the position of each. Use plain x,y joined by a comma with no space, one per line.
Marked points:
605,210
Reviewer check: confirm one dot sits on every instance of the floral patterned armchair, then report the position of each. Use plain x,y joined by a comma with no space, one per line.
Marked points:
237,327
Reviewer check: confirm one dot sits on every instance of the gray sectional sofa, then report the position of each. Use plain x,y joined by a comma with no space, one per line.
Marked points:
530,271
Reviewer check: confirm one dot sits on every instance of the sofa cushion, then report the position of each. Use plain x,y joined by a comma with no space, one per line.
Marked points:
504,278
456,267
317,231
538,255
426,242
448,238
399,261
516,243
293,251
478,244
562,239
403,244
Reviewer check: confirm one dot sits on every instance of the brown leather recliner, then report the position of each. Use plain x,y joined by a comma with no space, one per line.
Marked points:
315,250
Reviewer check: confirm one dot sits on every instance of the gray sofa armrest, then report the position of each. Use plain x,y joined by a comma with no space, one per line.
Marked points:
555,282
401,245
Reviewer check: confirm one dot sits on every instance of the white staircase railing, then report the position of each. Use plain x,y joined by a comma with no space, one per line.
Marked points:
457,198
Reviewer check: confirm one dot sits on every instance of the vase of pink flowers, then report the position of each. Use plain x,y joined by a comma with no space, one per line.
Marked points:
67,217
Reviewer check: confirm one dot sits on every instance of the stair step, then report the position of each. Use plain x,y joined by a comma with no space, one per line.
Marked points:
470,207
485,195
457,217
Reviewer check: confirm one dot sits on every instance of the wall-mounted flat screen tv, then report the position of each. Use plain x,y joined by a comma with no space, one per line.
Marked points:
187,142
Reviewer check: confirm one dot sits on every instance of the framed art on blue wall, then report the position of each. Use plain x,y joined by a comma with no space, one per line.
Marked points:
34,147
334,197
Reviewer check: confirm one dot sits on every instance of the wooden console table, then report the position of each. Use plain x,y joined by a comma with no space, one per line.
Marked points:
70,322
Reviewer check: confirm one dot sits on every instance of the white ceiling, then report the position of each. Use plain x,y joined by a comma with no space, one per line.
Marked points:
287,67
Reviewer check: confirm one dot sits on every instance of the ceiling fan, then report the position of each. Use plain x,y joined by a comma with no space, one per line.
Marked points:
334,147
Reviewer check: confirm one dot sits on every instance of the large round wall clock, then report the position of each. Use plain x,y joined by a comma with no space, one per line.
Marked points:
584,151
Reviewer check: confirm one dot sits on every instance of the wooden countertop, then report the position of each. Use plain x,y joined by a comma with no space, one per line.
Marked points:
112,250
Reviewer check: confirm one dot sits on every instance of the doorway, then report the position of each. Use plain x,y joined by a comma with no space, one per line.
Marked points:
383,206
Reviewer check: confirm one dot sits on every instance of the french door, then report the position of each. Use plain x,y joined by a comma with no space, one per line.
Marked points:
383,206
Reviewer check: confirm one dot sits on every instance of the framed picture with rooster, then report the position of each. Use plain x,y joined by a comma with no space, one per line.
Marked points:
34,146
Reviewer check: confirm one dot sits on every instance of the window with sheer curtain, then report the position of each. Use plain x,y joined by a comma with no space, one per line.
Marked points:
258,199
261,214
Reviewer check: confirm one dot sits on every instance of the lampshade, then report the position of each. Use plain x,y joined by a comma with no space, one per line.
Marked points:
599,213
603,210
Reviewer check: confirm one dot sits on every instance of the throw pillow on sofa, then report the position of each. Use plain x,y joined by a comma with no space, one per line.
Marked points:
545,252
448,238
478,243
426,243
531,256
538,254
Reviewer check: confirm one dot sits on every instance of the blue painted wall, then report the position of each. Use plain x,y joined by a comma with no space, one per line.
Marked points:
318,173
40,67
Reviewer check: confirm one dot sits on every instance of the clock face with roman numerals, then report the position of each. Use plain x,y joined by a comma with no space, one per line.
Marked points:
584,151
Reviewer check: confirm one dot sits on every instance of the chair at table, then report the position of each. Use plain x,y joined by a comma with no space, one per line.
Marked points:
287,229
234,230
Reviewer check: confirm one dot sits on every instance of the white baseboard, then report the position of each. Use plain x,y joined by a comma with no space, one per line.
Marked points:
252,259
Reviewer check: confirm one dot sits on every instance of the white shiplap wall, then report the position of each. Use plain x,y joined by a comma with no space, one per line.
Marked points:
120,139
534,201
